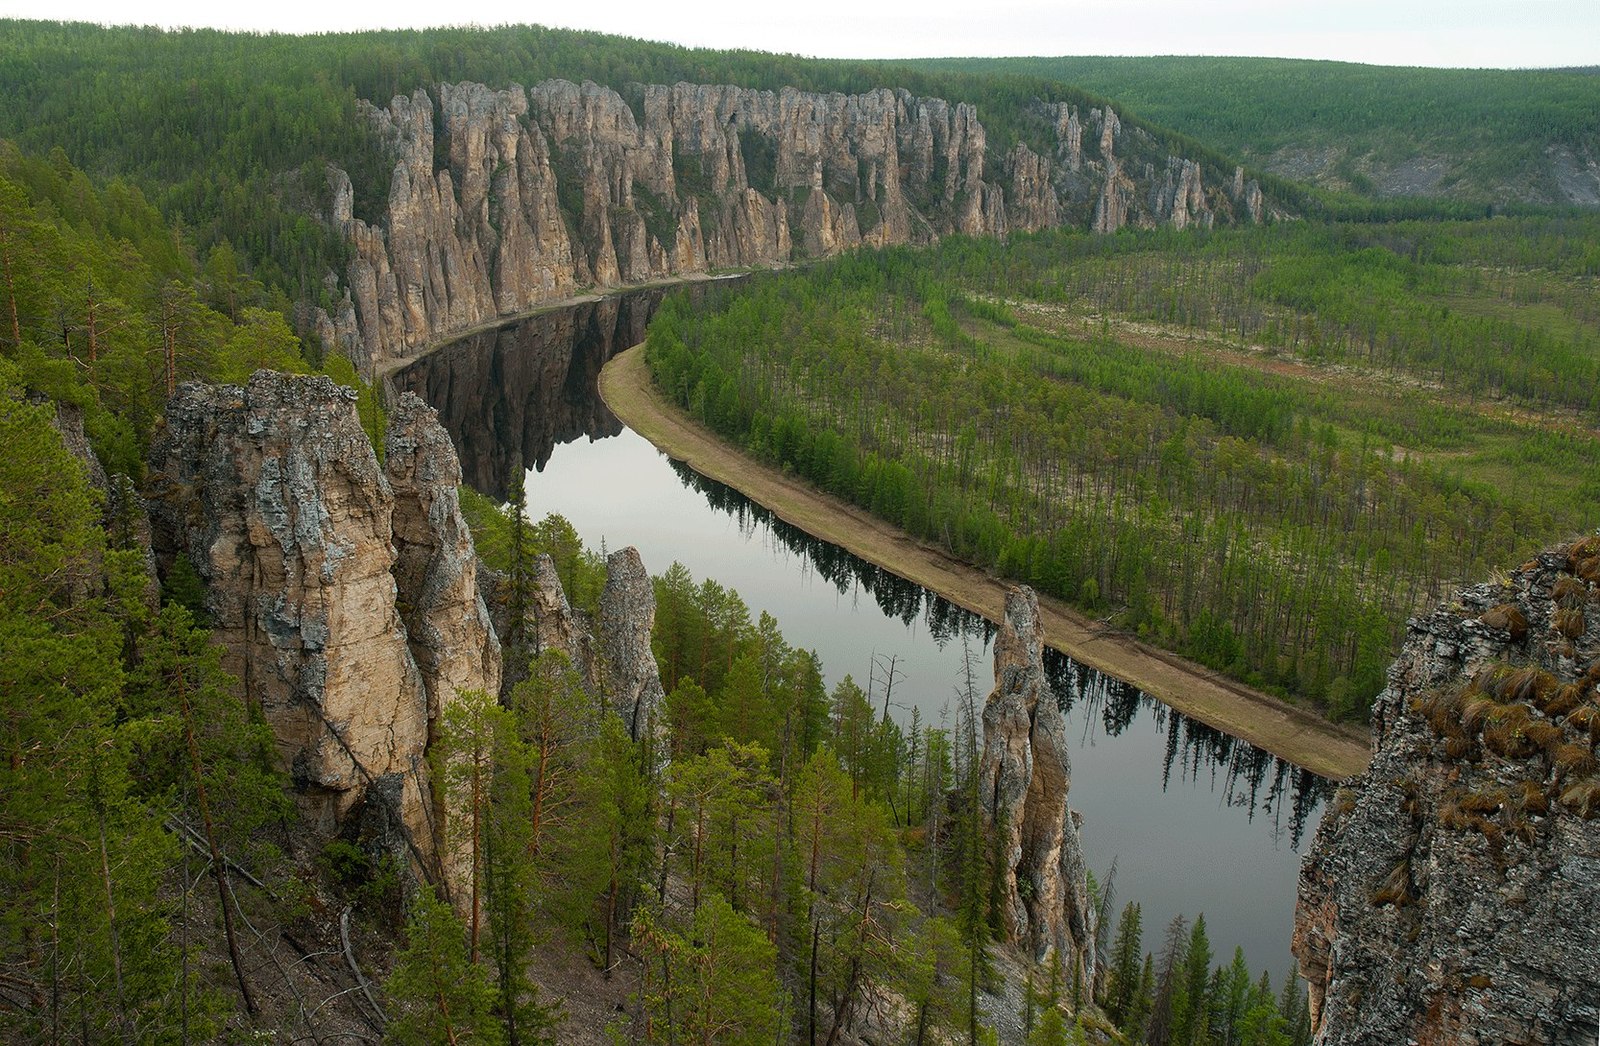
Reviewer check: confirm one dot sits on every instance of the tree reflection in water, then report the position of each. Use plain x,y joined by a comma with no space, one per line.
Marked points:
1247,778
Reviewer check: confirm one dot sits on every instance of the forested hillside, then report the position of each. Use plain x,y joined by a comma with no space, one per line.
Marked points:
1263,448
105,306
1491,135
231,132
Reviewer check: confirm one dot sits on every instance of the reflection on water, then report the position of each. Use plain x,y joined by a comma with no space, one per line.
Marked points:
1247,778
509,396
1196,820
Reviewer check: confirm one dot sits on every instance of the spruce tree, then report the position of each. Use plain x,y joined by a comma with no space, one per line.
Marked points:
1168,1008
1122,976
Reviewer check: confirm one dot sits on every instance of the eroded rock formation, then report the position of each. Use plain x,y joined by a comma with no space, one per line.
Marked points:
1023,785
545,190
275,494
554,625
627,614
1452,891
436,566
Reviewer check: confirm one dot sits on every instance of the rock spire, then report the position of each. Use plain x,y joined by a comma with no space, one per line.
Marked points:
1023,782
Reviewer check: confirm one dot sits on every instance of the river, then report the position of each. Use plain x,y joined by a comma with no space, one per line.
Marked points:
1195,820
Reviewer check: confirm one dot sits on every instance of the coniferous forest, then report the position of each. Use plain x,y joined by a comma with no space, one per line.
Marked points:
1261,447
802,858
1345,123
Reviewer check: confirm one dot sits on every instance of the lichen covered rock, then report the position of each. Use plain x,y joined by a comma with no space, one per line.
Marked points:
274,493
1452,893
627,615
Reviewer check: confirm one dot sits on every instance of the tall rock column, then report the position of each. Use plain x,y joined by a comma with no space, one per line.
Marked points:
436,566
275,494
1023,782
627,614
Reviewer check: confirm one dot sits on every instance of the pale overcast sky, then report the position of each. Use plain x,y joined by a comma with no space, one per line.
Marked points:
1499,33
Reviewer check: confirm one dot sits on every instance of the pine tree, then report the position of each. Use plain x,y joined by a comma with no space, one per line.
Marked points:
464,757
436,994
932,978
509,877
714,983
602,852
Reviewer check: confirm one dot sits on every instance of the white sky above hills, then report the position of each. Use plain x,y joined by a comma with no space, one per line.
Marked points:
1462,33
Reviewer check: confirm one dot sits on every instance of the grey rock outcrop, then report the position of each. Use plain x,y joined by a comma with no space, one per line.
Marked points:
563,186
68,423
1180,200
1024,778
275,494
1247,196
554,625
1452,889
610,652
627,615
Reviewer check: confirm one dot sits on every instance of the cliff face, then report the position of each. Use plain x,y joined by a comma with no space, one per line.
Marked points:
436,566
503,199
1024,779
1452,890
309,550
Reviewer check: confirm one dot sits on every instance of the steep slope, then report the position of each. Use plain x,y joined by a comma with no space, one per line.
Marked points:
502,199
1451,890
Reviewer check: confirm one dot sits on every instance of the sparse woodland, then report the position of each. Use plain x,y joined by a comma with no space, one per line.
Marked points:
1263,448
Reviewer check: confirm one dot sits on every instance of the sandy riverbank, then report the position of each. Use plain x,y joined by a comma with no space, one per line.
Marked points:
1298,735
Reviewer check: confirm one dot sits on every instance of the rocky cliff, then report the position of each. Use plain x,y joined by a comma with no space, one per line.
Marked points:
1023,784
1452,892
343,592
505,198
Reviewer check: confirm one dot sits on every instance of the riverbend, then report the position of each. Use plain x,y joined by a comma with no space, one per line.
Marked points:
1295,734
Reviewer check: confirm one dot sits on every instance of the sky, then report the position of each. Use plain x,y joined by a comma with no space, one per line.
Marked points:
1457,33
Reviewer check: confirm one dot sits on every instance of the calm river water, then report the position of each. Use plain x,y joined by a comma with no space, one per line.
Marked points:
1195,820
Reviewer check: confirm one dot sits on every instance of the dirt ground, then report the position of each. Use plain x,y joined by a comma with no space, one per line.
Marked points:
1299,735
